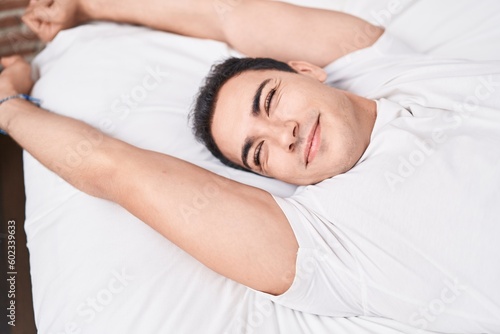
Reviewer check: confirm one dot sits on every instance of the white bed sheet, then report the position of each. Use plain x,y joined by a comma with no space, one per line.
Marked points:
97,269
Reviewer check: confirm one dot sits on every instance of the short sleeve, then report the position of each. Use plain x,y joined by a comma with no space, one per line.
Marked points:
327,279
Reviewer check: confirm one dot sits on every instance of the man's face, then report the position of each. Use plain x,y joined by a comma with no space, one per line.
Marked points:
288,126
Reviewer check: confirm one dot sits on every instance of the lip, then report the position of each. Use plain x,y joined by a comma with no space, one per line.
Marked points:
313,143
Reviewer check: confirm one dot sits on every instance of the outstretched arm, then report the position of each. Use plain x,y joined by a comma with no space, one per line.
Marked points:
236,230
258,28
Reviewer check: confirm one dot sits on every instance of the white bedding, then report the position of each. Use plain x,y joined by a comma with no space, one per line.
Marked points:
97,269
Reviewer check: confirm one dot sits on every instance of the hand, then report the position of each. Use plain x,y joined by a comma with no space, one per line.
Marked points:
47,17
15,77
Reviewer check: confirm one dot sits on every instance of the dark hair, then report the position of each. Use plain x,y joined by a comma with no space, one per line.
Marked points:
206,100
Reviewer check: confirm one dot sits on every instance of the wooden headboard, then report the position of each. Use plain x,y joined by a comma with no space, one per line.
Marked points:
15,37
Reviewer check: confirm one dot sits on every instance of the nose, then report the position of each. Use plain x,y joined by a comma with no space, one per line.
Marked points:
286,135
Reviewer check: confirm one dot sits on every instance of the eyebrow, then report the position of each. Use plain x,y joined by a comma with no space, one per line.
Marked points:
255,112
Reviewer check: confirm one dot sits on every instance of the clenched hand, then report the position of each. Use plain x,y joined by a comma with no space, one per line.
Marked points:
47,17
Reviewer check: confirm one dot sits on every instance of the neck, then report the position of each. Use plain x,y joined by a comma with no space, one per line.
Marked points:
366,111
366,114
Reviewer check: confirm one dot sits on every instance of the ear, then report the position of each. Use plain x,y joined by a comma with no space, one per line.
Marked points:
305,68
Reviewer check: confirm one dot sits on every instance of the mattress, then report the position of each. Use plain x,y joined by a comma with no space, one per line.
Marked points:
97,269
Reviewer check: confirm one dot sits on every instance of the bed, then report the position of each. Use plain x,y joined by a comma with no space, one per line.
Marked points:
97,269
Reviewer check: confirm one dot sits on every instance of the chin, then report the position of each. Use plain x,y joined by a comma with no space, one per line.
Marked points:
312,180
326,176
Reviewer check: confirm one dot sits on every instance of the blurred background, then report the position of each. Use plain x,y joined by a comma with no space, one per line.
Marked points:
15,38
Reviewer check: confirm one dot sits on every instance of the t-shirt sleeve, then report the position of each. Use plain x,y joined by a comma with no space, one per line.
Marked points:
327,279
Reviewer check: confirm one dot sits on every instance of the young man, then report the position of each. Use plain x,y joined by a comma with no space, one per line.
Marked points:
397,236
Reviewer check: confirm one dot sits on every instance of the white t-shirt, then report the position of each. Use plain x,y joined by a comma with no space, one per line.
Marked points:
412,232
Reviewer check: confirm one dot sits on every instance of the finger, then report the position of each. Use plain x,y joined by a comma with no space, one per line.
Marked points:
38,3
42,10
32,22
30,18
8,61
48,32
44,30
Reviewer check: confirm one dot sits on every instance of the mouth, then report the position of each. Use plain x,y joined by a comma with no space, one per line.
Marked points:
313,143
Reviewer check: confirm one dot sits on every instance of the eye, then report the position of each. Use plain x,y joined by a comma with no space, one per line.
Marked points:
269,99
256,155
